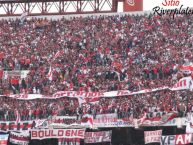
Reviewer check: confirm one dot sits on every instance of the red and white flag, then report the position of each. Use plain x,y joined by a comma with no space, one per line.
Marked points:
58,54
158,120
87,120
50,73
186,69
18,117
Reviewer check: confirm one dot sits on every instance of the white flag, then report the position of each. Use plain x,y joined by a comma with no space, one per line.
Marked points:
50,74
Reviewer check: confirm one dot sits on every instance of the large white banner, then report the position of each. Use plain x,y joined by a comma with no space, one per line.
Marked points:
21,138
96,137
77,94
152,136
57,133
182,84
4,139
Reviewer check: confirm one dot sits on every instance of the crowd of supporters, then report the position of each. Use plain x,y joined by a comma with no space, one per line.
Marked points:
104,53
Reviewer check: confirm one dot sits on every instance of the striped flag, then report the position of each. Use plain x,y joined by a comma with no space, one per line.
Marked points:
18,117
50,73
87,120
58,54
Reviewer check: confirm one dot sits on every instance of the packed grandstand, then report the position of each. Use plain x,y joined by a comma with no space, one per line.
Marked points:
96,54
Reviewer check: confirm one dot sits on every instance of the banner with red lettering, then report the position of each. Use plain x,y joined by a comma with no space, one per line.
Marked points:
182,84
152,136
57,133
14,126
21,138
96,137
181,139
101,121
4,139
84,95
111,120
107,120
23,125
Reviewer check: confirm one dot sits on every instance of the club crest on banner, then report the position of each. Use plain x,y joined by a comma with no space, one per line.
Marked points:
131,2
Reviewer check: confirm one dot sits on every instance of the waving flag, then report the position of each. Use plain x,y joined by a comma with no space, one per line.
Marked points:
87,120
50,73
186,69
58,54
158,120
18,117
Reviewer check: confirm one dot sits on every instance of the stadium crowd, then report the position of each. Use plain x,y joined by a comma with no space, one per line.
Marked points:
104,53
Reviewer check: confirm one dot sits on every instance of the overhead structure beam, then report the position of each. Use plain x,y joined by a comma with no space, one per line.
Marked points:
54,7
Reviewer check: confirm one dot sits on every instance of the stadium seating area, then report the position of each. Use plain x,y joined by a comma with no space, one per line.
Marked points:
103,53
